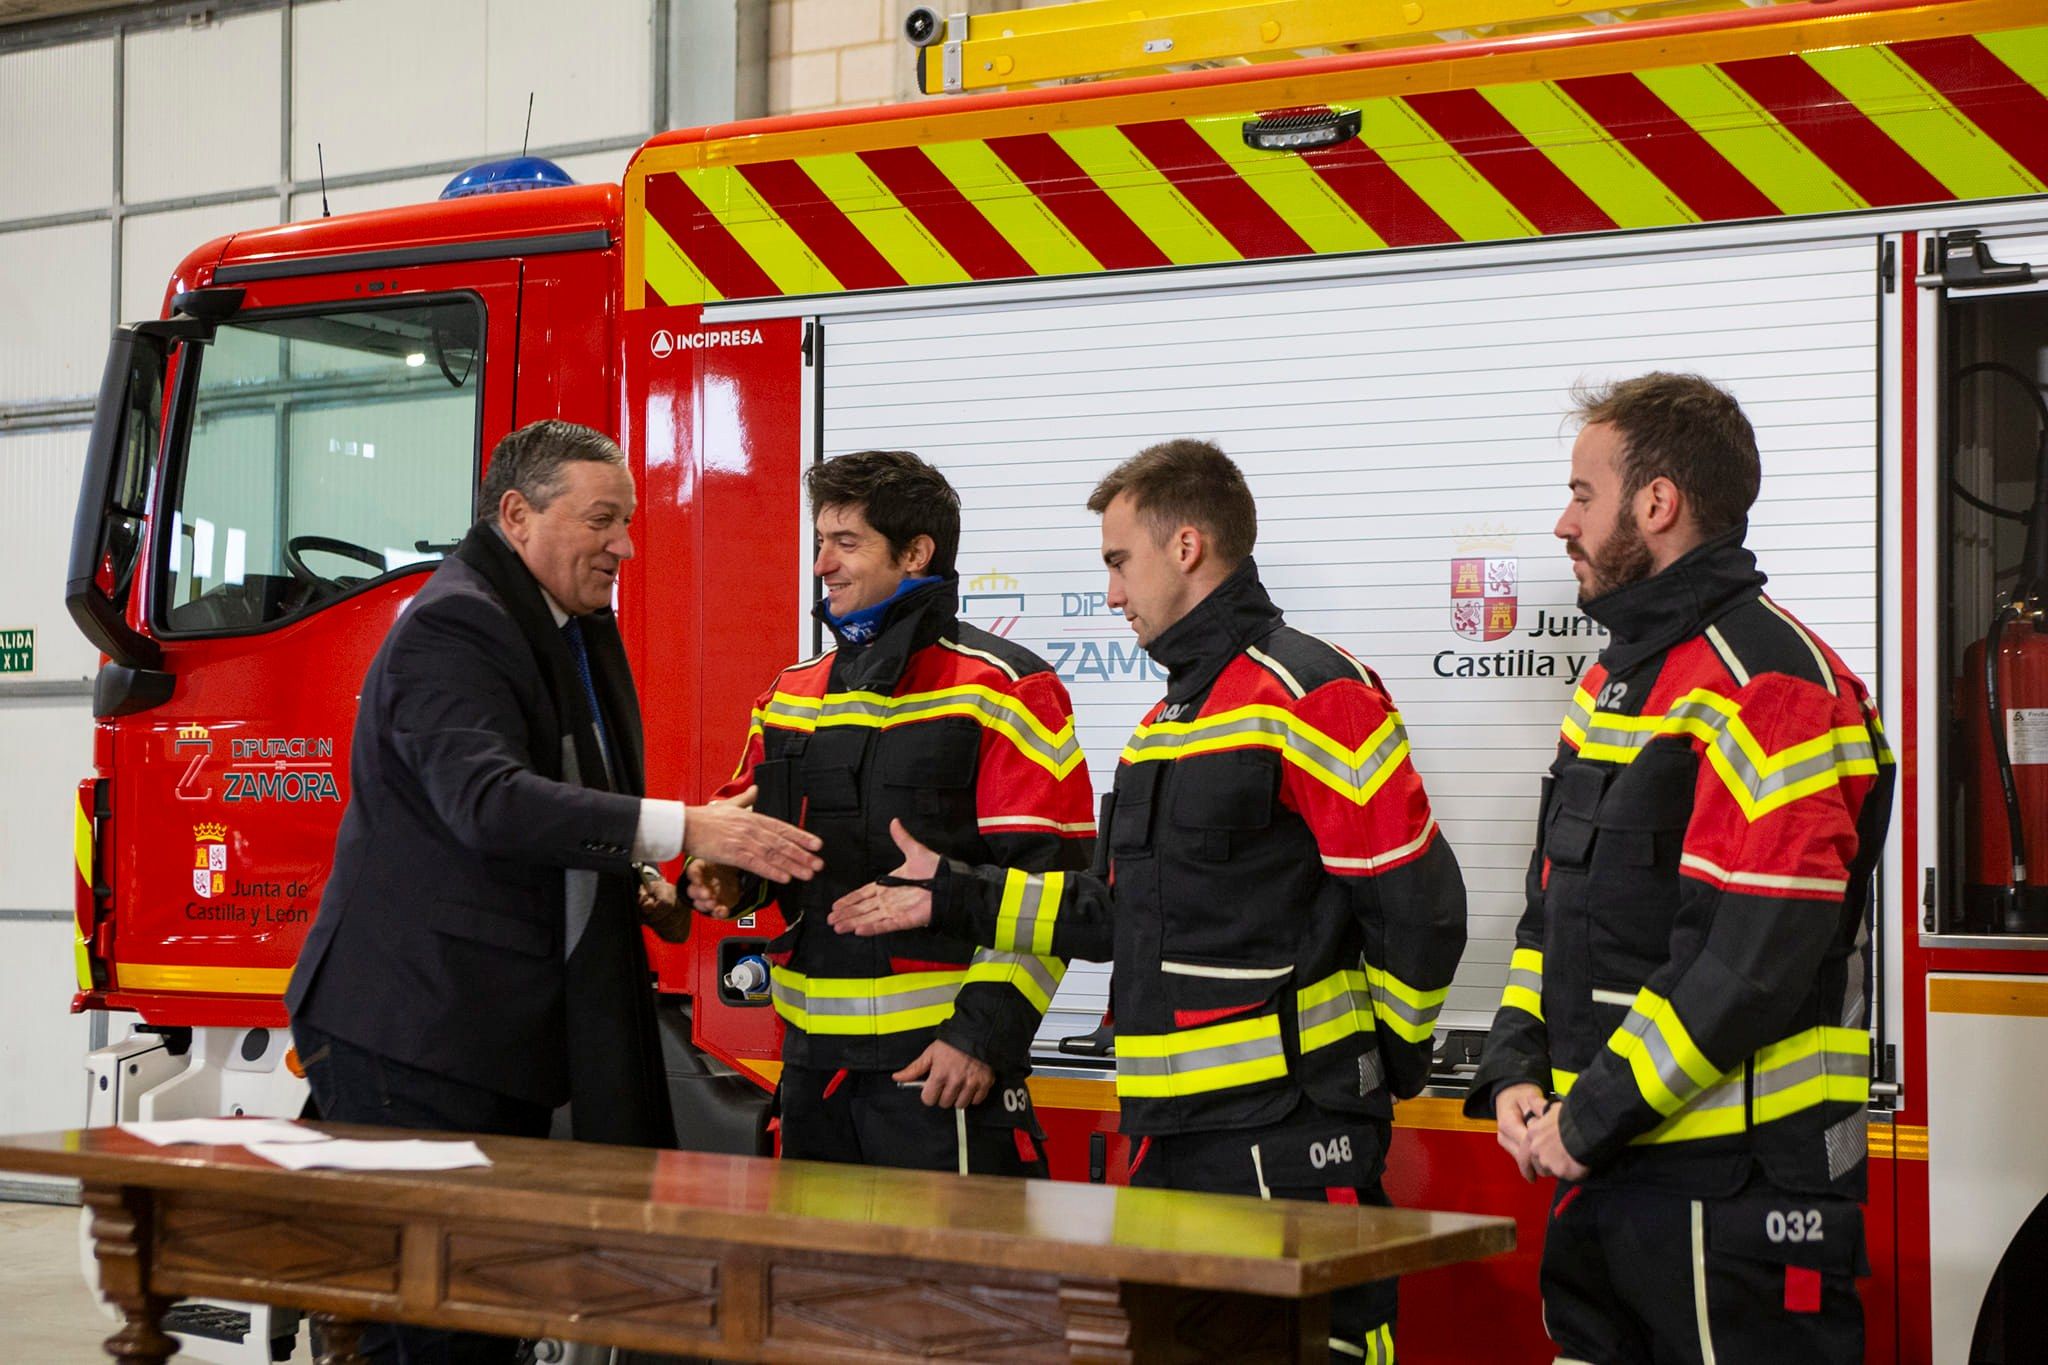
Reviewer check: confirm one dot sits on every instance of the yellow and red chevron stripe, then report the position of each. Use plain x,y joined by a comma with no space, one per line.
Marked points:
1722,118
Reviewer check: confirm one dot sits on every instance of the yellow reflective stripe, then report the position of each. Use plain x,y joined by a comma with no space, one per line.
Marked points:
1562,1081
1292,188
1445,181
1668,1067
1161,212
880,216
1029,909
81,841
1923,123
1524,989
1058,752
1356,774
864,1005
674,275
81,962
1589,156
1765,152
2025,50
1011,208
1333,1009
1818,1066
1760,782
153,976
1410,1013
760,231
1200,1060
1035,977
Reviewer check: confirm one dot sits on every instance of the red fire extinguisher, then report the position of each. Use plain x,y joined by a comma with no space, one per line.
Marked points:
2004,701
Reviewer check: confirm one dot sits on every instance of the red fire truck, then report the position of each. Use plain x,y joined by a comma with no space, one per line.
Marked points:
1372,274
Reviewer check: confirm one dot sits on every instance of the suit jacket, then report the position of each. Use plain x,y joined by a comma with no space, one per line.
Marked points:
479,920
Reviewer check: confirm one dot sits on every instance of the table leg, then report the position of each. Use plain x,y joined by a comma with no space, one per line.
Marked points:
1098,1328
341,1340
120,1243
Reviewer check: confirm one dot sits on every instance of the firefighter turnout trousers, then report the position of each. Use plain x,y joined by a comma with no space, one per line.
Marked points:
1637,1276
1314,1155
864,1118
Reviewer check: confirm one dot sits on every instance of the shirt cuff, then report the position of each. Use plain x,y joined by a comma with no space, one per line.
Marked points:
659,836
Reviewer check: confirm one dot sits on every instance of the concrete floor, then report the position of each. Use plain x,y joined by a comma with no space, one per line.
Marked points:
46,1314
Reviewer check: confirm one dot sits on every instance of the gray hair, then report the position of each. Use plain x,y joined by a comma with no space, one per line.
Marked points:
534,460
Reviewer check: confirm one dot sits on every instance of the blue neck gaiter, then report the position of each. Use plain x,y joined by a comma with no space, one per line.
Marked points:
859,627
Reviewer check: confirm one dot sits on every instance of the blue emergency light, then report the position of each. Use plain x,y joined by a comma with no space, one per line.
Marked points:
508,176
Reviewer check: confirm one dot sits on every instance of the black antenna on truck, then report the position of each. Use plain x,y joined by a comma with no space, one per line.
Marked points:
321,152
529,124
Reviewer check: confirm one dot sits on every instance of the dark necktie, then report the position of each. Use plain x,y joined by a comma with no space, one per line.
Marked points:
572,634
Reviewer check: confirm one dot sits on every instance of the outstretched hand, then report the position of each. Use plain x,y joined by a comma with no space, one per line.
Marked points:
733,834
877,909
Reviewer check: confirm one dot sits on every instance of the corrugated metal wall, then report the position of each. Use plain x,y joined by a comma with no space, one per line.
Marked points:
128,147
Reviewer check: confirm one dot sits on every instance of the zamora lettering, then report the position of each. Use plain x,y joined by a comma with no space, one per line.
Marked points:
285,786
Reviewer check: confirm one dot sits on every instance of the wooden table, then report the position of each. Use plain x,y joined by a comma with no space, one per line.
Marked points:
734,1257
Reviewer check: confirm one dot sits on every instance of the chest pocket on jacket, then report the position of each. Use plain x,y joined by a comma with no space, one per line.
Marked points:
1634,888
1222,800
1644,812
1574,806
931,766
1137,786
831,769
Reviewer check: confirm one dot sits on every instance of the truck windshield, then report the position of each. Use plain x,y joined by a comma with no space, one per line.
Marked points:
325,450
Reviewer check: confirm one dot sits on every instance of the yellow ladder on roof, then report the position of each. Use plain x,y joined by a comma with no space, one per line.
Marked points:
961,53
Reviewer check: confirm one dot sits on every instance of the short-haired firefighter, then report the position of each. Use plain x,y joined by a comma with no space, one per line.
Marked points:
1682,1038
1283,914
911,1049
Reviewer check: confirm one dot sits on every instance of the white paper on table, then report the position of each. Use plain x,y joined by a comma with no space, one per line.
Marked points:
223,1132
348,1154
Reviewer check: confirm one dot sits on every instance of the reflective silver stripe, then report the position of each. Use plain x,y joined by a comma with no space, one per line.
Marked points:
891,1002
1225,973
1669,1072
1725,1093
1604,997
1386,1002
844,708
981,654
1198,1059
1532,982
1355,775
1030,964
1699,1282
1740,765
1800,1070
1276,668
1030,899
1329,1011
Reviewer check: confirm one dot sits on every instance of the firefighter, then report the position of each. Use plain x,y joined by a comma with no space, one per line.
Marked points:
1682,1042
1285,915
910,1050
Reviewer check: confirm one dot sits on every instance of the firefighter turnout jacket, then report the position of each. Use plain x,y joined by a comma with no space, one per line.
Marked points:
1283,914
1689,974
969,740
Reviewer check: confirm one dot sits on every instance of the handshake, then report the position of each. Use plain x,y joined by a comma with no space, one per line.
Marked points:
730,836
901,901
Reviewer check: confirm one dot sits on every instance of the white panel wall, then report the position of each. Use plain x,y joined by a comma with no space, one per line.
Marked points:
152,245
211,90
42,1044
56,130
384,194
388,83
589,78
54,284
38,487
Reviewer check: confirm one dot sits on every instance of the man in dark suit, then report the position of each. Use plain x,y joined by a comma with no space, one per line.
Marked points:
477,959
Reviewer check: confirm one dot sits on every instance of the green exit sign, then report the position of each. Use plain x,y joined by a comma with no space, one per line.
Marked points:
18,651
